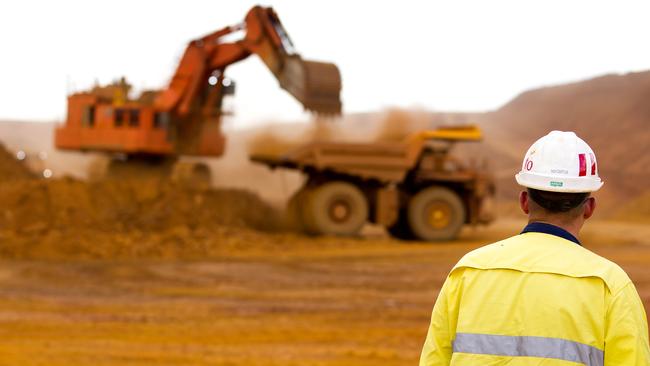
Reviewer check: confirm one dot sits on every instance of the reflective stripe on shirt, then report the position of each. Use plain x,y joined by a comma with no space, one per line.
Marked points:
527,346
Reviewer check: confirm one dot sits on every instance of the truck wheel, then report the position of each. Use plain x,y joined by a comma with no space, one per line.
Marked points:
335,208
436,213
294,212
401,229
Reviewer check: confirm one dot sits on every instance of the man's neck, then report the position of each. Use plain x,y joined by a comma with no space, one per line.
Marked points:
572,227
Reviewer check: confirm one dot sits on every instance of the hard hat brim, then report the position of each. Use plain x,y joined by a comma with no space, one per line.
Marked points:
556,184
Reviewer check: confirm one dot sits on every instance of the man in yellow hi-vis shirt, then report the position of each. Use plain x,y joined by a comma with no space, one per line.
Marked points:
540,298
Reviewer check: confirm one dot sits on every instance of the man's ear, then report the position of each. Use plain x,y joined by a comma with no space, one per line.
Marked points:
523,201
589,207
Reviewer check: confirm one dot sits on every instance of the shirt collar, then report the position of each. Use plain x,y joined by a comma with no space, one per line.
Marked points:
542,227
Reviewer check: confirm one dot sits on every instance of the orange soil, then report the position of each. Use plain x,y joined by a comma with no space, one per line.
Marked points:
277,299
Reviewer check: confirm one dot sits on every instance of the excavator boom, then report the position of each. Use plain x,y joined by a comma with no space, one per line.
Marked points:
316,85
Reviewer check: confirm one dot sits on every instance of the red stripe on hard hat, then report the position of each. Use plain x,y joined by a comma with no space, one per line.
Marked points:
583,165
593,164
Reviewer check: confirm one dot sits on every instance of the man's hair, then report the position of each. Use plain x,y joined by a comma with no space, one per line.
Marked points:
558,202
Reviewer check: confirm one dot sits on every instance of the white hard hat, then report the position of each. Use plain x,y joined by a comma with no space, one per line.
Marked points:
560,162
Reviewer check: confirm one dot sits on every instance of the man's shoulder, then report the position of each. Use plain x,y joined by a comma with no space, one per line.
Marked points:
489,255
544,253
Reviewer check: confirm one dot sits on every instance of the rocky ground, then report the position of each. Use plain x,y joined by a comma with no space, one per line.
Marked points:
277,299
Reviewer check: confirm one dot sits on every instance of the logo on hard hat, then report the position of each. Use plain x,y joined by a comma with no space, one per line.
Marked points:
528,164
593,163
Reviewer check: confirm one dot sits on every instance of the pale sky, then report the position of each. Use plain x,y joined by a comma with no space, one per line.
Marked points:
440,55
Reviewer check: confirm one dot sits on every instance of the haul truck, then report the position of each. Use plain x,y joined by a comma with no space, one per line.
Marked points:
414,188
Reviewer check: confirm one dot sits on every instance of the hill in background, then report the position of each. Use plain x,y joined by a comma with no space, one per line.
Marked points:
612,113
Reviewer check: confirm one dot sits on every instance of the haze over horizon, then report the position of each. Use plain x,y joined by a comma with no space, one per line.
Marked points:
449,56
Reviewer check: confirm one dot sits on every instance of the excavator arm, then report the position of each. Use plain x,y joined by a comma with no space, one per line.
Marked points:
316,85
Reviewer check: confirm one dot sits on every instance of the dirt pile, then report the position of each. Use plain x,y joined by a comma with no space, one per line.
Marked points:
392,124
396,124
147,205
125,219
11,169
273,141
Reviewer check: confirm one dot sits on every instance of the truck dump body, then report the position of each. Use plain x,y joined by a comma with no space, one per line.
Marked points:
386,162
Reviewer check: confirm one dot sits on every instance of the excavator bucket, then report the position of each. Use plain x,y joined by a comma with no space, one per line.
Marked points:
317,85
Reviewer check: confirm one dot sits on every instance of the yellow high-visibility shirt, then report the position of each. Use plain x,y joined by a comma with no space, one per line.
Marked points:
537,299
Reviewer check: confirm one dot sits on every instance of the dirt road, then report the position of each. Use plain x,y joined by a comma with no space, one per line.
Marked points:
312,301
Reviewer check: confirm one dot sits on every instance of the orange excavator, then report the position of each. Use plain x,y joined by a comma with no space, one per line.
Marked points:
185,117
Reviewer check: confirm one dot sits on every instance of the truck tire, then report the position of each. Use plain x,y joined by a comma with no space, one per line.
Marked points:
436,213
294,215
334,208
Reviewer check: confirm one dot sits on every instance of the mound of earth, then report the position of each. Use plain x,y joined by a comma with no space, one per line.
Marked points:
11,169
126,218
66,218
